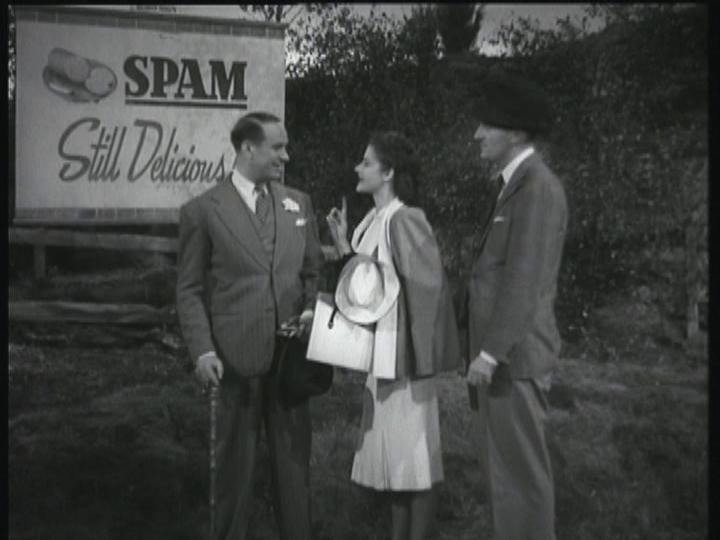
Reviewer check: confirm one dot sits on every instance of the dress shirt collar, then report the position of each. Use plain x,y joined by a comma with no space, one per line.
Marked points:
243,185
511,167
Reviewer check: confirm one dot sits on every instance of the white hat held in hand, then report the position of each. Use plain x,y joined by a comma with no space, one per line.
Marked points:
366,289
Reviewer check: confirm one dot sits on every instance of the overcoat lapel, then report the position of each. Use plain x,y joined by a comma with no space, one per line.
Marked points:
517,180
233,211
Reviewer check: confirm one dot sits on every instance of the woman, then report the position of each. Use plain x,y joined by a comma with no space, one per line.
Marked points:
399,448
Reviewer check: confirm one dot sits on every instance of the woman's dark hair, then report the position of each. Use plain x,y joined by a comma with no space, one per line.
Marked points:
395,151
250,128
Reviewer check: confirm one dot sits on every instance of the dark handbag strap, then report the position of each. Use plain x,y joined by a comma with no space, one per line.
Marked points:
331,322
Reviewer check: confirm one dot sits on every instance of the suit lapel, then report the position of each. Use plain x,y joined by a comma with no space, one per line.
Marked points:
518,178
233,211
284,222
516,182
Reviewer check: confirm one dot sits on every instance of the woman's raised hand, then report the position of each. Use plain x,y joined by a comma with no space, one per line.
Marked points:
337,221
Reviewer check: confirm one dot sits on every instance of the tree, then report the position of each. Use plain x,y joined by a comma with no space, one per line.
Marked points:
458,25
274,12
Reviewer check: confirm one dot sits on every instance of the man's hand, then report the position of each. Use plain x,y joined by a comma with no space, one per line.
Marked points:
209,369
480,371
297,326
305,324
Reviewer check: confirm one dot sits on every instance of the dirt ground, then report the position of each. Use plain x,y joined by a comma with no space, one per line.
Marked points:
108,439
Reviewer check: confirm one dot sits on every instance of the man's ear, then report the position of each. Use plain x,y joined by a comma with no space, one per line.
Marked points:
247,146
519,137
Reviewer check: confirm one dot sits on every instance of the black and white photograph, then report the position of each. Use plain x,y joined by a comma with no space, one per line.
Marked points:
359,271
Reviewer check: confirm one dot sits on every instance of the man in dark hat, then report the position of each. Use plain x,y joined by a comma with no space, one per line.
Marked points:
513,337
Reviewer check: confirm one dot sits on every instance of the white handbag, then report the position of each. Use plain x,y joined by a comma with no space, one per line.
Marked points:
337,341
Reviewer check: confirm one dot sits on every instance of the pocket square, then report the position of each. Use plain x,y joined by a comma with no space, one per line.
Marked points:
499,219
300,222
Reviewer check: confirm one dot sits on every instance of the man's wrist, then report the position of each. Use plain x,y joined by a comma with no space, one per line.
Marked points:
344,247
487,357
209,354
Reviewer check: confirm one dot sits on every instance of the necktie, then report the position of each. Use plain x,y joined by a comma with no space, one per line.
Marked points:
499,185
497,188
262,203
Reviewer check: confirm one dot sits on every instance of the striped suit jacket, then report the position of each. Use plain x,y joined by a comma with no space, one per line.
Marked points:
231,295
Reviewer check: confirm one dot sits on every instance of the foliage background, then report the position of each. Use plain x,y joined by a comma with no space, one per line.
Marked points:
630,137
629,142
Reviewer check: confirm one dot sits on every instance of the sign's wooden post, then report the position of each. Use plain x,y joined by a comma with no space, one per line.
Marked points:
39,257
39,261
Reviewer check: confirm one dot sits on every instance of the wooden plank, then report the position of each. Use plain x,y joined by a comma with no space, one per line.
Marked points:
82,217
77,239
39,311
90,12
123,242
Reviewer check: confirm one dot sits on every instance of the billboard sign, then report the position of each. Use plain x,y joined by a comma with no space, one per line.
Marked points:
123,116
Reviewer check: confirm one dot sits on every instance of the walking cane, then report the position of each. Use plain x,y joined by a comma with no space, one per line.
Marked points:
213,427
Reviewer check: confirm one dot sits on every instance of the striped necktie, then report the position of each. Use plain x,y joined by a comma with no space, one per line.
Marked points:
262,203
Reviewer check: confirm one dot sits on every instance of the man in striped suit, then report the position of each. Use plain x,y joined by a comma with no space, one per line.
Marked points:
249,260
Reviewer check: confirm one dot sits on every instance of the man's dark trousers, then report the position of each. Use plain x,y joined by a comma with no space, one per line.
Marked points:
244,405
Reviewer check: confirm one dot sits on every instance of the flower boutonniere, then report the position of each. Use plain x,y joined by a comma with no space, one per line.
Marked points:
290,205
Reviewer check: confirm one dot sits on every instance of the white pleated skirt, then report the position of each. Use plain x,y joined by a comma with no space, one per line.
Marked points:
399,442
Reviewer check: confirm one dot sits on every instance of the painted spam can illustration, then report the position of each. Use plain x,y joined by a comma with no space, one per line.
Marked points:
78,79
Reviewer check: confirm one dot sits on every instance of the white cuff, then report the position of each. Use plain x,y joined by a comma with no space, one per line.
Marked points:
307,314
206,355
488,358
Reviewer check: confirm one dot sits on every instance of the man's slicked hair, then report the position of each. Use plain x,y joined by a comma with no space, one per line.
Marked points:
250,128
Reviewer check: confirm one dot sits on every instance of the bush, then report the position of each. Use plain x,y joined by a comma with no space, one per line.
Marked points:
629,138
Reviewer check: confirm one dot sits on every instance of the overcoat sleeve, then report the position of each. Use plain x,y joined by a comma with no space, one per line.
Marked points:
432,329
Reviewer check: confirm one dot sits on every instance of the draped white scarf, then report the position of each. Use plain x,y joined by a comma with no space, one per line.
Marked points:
374,232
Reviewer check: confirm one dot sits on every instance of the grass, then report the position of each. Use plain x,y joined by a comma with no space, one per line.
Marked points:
110,442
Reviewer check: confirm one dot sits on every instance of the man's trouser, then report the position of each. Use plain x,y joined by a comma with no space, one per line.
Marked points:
514,458
244,404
